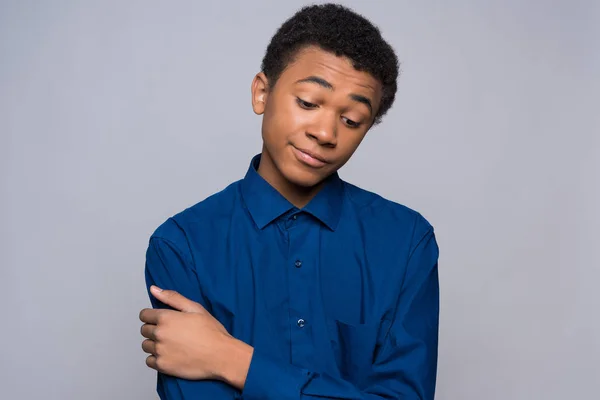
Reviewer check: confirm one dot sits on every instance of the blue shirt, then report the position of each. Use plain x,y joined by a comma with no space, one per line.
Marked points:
340,299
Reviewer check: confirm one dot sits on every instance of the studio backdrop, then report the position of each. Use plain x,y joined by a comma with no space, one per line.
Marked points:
115,115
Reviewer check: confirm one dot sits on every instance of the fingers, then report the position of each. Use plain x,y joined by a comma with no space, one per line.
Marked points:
149,346
151,362
176,300
151,316
149,331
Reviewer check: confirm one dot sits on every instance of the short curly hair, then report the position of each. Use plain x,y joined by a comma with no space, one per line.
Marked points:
339,30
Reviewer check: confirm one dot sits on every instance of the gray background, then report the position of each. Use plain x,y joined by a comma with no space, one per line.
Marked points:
116,115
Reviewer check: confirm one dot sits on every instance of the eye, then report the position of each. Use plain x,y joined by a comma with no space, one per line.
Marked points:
305,104
350,123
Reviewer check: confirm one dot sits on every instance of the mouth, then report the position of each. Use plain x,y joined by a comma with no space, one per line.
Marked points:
309,158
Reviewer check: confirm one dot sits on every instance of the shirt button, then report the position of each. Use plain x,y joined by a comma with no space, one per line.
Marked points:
301,323
295,217
298,264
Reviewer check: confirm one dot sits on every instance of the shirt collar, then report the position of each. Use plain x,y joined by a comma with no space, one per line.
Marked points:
266,204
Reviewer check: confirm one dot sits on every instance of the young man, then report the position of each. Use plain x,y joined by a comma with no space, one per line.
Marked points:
291,283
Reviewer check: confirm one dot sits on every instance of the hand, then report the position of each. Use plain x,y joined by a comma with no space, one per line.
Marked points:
191,343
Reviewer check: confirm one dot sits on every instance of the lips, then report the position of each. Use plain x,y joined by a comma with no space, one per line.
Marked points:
309,158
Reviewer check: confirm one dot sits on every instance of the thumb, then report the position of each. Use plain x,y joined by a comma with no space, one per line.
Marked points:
176,300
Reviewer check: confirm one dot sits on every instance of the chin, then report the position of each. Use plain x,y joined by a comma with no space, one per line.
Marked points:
304,178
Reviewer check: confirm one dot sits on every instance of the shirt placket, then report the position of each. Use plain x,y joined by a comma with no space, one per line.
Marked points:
301,267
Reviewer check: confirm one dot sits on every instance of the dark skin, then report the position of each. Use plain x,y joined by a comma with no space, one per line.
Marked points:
314,119
302,114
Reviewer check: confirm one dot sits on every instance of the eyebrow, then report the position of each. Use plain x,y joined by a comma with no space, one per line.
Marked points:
323,83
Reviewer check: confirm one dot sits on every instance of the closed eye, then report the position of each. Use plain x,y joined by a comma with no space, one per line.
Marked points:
305,104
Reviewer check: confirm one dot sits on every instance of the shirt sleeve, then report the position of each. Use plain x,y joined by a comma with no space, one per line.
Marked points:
405,366
171,268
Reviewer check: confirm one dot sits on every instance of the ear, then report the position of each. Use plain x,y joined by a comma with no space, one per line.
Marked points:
260,92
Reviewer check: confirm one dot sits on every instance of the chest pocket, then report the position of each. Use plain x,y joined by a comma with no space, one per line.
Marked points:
355,347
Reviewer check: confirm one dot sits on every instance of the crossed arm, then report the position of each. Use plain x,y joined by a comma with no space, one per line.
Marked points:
197,358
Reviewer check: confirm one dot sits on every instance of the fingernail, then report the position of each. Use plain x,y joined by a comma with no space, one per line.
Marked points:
155,289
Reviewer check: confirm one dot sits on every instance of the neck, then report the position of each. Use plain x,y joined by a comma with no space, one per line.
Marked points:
299,196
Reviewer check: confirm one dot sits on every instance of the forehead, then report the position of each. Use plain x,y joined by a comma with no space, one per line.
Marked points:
339,71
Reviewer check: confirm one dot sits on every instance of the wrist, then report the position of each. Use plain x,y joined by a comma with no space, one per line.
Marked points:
235,362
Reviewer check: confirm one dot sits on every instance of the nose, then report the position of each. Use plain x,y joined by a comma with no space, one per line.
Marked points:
324,130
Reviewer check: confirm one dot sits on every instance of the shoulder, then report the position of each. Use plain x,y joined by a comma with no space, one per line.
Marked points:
384,212
177,228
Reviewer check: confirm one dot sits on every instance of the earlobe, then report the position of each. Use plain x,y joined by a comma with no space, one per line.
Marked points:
260,92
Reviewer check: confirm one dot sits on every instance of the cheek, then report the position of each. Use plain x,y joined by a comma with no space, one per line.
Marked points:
348,142
282,119
349,138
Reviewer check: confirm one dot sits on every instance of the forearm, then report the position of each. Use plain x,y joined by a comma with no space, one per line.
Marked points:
259,377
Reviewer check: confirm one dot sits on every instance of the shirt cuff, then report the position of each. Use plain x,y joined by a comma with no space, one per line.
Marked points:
268,379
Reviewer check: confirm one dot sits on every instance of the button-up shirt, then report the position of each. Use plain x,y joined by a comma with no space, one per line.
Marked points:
340,299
